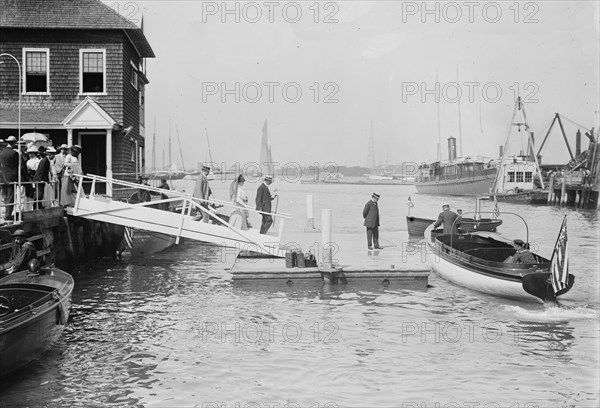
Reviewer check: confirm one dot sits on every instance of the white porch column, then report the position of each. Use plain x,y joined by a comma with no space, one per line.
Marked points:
69,137
109,173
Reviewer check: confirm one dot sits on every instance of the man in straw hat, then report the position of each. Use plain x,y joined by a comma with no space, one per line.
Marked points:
263,203
202,190
11,165
371,216
25,252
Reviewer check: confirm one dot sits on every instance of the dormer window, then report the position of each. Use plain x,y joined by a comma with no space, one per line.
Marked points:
36,76
92,77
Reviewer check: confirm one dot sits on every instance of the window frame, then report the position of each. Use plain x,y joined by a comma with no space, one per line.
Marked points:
92,50
135,77
24,68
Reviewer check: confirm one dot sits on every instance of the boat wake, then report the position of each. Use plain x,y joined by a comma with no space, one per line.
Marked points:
554,313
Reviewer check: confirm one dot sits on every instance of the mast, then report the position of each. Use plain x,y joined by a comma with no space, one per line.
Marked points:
439,145
459,120
208,143
180,152
170,144
371,158
519,106
154,146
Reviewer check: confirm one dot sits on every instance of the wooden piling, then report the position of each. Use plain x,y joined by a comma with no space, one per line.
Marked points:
551,190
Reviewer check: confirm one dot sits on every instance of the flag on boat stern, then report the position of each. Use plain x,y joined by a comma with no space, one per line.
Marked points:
559,266
410,203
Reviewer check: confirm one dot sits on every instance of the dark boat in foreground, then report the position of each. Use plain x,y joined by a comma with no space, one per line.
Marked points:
478,261
34,308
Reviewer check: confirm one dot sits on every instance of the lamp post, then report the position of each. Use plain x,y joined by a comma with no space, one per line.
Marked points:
19,139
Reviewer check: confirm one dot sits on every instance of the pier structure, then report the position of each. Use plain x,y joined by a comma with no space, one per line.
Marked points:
577,184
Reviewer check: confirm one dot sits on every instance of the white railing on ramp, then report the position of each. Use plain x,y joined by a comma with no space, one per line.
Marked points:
149,216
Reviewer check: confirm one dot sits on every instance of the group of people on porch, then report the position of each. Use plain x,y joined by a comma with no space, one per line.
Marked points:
47,175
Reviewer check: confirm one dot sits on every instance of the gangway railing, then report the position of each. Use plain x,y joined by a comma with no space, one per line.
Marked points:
144,215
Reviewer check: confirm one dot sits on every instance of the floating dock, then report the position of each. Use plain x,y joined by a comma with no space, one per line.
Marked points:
399,265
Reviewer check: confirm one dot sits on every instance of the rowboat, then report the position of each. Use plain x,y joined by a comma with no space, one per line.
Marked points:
34,308
478,261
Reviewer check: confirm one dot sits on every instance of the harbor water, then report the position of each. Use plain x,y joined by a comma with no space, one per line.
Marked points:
172,330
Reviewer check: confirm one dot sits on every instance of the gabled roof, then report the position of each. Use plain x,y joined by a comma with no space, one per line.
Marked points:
88,115
72,14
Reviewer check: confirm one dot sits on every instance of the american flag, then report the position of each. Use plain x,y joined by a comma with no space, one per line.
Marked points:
559,265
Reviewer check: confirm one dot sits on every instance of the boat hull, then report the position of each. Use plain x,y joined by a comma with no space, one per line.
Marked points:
417,225
484,224
149,242
473,279
465,267
32,326
461,186
536,197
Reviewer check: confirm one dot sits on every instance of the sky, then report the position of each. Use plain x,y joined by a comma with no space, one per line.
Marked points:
328,75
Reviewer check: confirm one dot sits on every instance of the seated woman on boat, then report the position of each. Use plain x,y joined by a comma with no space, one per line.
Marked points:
523,255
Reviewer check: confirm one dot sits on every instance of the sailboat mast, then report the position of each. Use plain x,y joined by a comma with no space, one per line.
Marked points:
169,144
459,119
154,147
439,146
180,152
208,143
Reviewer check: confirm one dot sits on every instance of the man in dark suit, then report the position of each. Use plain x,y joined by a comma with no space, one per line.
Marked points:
371,216
10,164
263,203
447,218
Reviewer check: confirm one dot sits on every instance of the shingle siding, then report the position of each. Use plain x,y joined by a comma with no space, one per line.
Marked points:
64,47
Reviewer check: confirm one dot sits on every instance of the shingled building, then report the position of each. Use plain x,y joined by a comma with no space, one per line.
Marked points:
83,80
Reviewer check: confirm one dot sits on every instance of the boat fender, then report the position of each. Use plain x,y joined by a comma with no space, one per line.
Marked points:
5,306
60,310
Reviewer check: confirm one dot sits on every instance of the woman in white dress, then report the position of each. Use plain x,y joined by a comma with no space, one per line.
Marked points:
72,167
239,215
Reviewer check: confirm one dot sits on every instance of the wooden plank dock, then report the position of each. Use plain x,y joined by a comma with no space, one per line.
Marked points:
399,265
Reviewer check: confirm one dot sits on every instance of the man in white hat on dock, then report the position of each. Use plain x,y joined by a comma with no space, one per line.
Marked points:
263,203
371,216
202,190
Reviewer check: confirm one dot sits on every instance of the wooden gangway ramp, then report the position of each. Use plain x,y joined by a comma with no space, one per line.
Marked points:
151,216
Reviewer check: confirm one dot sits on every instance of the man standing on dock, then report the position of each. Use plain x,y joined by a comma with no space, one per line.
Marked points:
447,218
263,203
371,216
10,164
202,190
